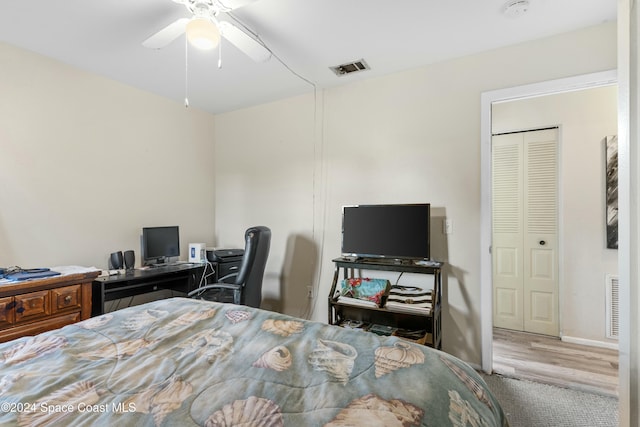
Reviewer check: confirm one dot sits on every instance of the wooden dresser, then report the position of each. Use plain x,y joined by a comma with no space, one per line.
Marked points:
35,306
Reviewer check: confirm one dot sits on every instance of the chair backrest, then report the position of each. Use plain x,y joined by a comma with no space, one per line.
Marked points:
257,241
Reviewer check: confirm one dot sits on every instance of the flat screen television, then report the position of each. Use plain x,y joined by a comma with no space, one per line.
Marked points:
387,231
159,244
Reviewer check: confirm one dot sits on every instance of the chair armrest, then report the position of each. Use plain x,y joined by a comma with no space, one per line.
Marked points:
230,286
223,278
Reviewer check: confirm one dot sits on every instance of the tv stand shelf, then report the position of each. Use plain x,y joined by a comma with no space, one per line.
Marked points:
430,322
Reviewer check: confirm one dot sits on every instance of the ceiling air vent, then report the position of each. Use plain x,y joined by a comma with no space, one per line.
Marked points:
350,67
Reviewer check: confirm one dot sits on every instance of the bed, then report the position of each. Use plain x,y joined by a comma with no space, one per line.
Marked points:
181,362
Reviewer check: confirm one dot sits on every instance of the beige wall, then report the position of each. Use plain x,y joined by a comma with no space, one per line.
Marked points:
265,176
585,118
85,163
408,137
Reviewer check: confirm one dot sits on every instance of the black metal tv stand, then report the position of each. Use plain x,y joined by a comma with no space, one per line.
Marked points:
340,312
177,277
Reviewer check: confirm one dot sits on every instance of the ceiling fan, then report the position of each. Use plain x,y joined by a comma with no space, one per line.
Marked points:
204,29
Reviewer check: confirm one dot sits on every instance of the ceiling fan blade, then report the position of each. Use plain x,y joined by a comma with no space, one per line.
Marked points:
166,35
228,5
251,47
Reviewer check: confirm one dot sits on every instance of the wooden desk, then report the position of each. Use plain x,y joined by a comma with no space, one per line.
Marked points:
34,306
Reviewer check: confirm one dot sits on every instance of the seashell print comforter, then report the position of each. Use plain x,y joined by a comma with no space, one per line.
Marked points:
183,362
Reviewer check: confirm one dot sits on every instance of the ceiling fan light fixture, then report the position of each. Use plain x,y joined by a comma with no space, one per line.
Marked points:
202,33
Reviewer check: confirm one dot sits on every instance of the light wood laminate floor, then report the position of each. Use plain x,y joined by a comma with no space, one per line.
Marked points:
549,360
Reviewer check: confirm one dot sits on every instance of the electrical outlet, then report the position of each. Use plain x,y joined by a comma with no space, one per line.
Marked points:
309,291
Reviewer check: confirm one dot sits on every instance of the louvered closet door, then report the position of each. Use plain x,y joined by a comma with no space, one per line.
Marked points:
541,238
507,246
525,259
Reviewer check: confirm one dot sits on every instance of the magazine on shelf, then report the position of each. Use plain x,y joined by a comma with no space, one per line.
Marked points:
354,324
415,335
382,329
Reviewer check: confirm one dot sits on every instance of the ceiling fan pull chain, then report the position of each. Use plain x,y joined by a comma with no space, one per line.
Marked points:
186,73
220,55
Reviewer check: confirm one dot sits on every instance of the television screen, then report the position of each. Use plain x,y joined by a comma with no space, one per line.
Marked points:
386,231
159,243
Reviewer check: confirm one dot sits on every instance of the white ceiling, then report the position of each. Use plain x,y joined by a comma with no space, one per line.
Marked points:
306,37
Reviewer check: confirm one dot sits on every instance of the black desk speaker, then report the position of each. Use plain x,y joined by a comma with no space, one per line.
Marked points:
129,259
116,260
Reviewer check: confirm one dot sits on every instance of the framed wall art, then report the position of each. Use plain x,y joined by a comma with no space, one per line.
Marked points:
611,149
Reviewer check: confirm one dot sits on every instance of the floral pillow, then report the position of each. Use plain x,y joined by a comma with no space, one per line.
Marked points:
365,288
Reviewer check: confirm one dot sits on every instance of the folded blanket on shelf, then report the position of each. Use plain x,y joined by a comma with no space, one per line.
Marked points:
411,298
366,288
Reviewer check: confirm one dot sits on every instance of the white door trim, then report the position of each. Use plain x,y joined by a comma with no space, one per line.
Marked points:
568,84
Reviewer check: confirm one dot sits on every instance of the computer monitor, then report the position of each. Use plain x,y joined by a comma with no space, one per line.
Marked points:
159,244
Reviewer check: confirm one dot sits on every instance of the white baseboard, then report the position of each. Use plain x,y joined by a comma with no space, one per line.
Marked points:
591,343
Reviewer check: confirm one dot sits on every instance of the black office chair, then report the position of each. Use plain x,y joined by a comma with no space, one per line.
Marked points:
246,289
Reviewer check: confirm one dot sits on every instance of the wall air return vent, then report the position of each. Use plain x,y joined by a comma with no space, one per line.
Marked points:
612,306
350,67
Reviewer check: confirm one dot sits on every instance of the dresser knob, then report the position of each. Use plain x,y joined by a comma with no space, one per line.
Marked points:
67,299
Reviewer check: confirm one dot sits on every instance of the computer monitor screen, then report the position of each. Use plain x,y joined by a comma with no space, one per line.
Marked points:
160,243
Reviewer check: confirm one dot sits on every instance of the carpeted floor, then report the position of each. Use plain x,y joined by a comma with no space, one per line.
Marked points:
528,404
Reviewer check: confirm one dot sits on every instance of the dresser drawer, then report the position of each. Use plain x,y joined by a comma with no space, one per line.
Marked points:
68,298
32,306
39,326
7,313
